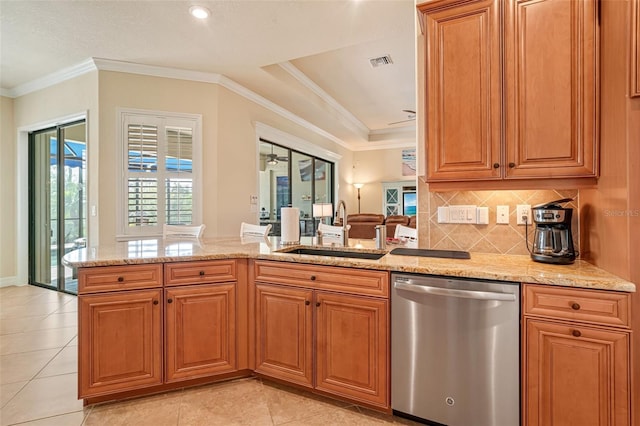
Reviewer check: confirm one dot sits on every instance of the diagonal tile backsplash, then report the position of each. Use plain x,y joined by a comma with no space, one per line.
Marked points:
491,238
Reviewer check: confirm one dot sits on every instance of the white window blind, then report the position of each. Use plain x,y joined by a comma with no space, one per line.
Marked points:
159,172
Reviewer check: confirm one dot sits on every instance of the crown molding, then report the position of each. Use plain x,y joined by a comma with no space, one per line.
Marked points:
51,79
156,71
302,78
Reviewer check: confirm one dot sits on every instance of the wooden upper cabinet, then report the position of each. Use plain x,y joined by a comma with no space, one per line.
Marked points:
511,91
634,88
551,88
463,85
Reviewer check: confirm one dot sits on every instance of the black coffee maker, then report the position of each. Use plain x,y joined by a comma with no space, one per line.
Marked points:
552,239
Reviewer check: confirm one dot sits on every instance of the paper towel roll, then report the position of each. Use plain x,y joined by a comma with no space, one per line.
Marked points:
290,225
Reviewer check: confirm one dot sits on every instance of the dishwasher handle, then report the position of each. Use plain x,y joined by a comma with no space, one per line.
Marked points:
465,294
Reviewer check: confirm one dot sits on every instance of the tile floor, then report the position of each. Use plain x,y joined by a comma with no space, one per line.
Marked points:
38,381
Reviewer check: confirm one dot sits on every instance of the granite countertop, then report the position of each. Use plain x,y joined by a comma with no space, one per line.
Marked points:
516,268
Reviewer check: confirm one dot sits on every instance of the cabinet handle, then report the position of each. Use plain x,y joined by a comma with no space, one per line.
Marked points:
120,279
201,273
317,304
512,165
306,302
575,306
169,300
155,302
576,333
496,165
313,277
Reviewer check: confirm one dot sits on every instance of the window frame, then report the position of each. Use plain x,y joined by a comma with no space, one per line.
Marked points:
163,119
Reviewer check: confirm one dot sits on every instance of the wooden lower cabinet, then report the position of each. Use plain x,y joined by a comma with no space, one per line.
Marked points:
120,341
200,330
284,333
349,333
575,375
352,341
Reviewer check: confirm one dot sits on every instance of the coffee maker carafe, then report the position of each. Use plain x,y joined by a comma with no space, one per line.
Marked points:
552,239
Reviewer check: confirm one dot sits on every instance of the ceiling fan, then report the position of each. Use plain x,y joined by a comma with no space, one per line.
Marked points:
272,159
411,116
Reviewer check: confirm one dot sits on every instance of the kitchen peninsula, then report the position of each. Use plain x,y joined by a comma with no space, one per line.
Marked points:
157,314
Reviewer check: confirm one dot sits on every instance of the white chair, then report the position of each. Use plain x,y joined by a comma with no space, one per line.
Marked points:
248,229
182,231
407,235
331,232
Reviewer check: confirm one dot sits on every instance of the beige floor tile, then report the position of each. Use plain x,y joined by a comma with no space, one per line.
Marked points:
71,419
239,403
65,362
18,325
20,290
8,391
36,340
66,319
24,366
20,311
339,416
40,398
51,296
70,306
157,410
387,418
287,404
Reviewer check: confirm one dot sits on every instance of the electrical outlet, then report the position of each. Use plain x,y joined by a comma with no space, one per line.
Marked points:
502,215
523,214
253,199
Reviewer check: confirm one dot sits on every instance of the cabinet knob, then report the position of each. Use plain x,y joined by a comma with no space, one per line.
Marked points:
317,304
155,302
120,279
169,300
575,306
512,165
201,273
313,277
306,302
496,165
576,333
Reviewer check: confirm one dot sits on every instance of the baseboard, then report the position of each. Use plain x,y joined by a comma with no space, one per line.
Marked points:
7,281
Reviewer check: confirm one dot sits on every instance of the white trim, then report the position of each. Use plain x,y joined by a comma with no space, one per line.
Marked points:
7,281
156,71
49,80
362,129
290,141
196,162
372,146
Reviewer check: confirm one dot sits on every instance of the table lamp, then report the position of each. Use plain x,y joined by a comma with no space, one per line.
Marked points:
322,210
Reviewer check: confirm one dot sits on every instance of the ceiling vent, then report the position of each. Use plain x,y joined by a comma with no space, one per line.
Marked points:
380,61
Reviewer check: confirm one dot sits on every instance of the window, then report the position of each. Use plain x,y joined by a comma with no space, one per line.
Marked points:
160,169
292,178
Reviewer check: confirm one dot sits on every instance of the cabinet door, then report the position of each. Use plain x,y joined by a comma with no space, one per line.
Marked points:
284,333
575,375
120,341
634,87
551,88
463,77
200,331
352,347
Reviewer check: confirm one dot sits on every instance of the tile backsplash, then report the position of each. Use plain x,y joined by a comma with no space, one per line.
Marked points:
491,238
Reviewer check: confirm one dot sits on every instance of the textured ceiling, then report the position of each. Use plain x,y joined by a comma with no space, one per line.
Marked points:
309,57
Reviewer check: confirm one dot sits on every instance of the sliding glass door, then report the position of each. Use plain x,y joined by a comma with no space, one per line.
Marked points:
57,203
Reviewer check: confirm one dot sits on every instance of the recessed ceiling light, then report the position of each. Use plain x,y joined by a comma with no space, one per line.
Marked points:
199,12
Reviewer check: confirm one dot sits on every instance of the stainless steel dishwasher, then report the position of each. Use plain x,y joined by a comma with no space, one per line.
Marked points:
455,350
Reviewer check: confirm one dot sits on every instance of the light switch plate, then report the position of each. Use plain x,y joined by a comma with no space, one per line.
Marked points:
482,216
253,199
502,215
443,214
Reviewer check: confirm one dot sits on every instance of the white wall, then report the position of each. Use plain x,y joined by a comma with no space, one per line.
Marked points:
8,208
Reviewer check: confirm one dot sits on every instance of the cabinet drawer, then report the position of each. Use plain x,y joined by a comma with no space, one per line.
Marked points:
595,306
210,271
128,277
359,281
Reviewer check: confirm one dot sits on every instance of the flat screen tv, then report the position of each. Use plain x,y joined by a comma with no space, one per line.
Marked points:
409,203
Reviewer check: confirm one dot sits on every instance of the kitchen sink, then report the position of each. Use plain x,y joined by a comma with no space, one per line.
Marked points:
316,251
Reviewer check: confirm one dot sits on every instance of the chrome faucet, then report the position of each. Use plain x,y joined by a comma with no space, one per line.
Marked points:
345,227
